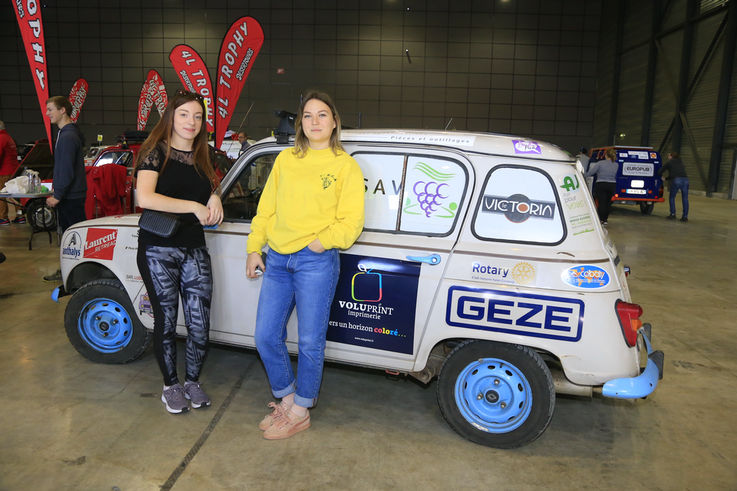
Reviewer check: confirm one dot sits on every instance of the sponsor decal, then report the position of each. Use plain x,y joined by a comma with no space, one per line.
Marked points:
637,154
463,141
375,303
72,247
570,183
524,273
637,169
77,97
28,14
586,276
133,277
428,195
653,155
100,243
144,305
518,207
526,146
523,314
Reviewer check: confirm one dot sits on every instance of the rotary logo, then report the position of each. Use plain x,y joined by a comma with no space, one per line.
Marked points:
523,273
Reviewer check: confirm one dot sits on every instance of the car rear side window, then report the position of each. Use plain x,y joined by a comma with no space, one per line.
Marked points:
412,193
519,204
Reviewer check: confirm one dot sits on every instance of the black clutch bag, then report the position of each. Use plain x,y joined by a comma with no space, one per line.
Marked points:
159,223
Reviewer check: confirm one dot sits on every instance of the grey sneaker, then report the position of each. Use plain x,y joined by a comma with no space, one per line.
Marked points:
174,399
196,395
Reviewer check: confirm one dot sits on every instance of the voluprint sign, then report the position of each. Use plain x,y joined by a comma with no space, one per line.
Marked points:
237,54
28,13
193,74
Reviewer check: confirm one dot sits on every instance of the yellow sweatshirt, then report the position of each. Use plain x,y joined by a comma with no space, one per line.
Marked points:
320,195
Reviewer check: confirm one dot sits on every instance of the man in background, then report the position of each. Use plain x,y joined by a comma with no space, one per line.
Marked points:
8,166
678,180
70,183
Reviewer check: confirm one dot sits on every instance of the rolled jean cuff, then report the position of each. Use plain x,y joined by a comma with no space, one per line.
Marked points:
303,401
285,391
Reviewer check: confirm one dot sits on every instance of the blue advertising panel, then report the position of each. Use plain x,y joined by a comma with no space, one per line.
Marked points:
374,303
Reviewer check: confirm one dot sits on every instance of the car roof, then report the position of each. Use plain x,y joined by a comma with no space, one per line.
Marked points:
469,142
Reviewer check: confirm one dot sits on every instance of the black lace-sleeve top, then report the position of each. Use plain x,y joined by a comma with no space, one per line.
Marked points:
179,180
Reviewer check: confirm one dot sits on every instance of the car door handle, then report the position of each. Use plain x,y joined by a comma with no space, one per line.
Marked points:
431,259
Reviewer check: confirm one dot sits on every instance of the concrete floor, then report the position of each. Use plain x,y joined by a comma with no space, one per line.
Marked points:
67,423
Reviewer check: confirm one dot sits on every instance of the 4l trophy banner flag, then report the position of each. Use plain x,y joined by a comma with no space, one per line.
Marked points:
237,54
152,92
28,13
77,96
193,74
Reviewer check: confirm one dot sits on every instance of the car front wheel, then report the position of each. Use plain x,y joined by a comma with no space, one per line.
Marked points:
495,394
102,325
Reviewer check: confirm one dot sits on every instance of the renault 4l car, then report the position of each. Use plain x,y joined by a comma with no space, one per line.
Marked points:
481,264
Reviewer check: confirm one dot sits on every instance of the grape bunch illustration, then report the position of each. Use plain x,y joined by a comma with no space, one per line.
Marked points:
431,192
429,195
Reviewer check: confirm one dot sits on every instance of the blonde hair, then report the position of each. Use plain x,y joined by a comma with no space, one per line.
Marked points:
301,143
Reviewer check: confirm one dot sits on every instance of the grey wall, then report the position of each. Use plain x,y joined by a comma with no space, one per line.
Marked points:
525,67
703,72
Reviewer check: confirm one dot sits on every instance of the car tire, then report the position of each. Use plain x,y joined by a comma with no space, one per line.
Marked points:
495,394
646,208
40,217
102,325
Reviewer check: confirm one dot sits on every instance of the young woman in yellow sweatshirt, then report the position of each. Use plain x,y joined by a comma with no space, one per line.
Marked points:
312,206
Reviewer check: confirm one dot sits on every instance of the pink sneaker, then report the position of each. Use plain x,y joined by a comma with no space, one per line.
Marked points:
278,409
287,424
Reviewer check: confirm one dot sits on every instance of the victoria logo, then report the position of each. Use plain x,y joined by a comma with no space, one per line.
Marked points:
518,208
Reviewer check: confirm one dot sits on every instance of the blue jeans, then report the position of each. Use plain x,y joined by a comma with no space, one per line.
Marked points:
308,280
678,184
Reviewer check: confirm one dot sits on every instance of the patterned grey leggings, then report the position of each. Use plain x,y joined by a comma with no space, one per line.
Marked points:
169,272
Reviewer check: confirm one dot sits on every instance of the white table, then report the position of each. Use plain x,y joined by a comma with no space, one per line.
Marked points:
12,197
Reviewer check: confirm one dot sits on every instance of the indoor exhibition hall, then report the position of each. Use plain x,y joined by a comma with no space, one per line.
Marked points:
368,244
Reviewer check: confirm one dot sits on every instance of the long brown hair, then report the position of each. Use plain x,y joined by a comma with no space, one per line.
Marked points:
163,130
301,143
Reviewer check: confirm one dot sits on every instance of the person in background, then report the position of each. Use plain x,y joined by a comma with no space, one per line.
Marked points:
605,172
174,175
70,183
243,140
8,166
678,181
584,156
312,206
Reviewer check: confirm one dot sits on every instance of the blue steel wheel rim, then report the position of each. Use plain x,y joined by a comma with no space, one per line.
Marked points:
493,395
105,325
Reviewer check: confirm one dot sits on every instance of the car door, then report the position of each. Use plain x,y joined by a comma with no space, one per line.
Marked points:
235,297
415,201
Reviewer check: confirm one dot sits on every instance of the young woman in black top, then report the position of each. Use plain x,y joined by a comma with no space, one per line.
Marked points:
174,175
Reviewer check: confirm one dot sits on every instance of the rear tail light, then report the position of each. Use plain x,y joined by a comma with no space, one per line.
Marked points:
629,320
627,271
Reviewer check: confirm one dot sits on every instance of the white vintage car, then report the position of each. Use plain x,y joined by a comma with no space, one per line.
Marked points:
482,262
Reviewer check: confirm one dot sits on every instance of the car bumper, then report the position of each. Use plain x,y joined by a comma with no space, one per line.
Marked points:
645,383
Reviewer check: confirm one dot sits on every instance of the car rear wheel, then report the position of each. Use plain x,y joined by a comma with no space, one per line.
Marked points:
646,208
495,394
102,325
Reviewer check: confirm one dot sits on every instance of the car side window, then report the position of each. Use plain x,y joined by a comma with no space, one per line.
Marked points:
241,200
519,204
411,193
